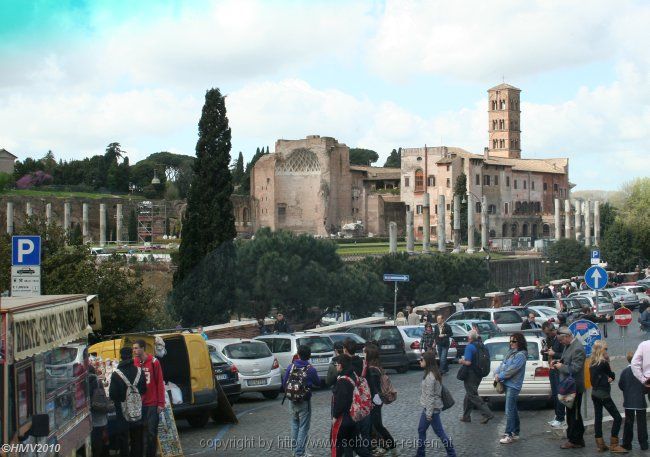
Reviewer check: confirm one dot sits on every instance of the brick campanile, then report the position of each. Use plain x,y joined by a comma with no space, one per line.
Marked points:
504,121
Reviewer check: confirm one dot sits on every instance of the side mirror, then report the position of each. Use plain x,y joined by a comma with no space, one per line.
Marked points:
40,425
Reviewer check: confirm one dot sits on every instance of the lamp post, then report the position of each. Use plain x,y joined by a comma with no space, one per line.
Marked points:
470,222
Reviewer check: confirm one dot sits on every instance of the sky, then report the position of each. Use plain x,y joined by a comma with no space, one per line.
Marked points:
77,75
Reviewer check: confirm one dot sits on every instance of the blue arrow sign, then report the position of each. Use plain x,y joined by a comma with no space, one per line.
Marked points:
596,277
586,332
396,278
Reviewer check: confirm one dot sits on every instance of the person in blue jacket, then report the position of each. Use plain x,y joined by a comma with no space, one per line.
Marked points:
511,373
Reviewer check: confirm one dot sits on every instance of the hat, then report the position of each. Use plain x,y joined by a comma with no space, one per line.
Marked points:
126,353
564,331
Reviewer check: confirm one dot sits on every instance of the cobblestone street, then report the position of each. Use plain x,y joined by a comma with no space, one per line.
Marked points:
264,425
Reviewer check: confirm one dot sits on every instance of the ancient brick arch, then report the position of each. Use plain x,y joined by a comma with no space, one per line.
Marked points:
300,162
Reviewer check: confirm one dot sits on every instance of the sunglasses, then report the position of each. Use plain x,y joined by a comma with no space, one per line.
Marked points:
513,341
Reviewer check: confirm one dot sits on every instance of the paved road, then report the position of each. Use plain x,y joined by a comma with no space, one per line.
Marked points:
264,425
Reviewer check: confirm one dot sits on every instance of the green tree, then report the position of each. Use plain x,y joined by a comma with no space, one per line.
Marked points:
360,156
394,160
208,222
635,214
238,170
76,235
48,163
607,217
567,258
132,226
246,180
460,188
5,180
618,247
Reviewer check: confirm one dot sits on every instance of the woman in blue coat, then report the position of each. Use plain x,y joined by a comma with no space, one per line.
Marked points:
511,374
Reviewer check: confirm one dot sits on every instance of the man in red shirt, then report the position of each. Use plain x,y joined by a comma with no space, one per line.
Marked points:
153,400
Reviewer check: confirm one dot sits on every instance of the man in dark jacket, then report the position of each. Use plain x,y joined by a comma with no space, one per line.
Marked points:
635,407
441,335
281,325
125,431
587,314
530,324
553,352
364,427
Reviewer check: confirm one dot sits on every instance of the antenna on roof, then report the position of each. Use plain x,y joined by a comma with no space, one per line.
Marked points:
503,79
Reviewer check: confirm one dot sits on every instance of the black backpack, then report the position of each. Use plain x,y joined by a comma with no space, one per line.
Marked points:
482,362
296,388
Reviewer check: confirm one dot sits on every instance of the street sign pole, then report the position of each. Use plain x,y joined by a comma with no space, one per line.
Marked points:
395,304
395,278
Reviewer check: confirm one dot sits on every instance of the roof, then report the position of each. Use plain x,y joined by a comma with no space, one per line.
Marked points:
558,166
377,173
505,86
4,151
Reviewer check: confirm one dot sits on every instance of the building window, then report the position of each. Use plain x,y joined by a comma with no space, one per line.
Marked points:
406,181
408,207
435,209
478,207
448,182
24,394
496,180
478,180
448,207
525,184
515,184
532,185
545,187
268,180
505,208
492,209
486,180
418,209
448,166
419,180
282,212
554,187
538,207
431,181
420,229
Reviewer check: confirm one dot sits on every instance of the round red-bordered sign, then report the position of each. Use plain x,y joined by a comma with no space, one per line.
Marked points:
623,317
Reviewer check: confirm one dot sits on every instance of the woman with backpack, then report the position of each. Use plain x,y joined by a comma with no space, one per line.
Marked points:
511,375
601,377
344,429
373,375
431,401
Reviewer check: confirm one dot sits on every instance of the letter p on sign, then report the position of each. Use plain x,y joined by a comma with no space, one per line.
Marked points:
26,250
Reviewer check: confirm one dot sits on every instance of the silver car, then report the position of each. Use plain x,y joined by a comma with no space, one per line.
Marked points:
624,298
507,320
412,334
259,370
640,291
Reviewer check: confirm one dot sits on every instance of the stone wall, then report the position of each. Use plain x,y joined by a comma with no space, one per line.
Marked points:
509,273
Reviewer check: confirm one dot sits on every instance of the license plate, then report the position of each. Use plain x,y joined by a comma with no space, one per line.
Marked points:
320,360
387,346
221,377
256,382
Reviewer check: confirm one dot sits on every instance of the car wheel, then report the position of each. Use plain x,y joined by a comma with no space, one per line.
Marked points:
402,369
271,394
198,420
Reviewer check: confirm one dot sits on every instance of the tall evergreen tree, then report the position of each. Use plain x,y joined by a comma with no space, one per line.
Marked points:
238,170
460,188
208,223
132,226
394,160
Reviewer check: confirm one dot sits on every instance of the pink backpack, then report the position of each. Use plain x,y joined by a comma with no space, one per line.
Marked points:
361,402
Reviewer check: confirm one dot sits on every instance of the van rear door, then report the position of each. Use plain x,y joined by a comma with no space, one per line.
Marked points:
201,376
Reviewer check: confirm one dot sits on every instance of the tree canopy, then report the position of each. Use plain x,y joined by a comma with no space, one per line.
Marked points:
360,156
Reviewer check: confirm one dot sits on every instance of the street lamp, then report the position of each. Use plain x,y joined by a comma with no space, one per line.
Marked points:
470,222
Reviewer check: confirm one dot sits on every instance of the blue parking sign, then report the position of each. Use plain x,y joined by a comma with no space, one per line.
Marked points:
26,250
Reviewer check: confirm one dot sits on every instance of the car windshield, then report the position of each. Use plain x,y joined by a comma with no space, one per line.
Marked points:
385,334
247,350
486,327
414,332
499,349
215,357
344,336
61,355
457,329
317,344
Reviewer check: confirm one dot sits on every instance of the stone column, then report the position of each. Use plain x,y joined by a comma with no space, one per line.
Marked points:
426,216
484,224
470,225
84,223
456,224
118,222
567,219
66,217
410,243
10,218
441,224
392,237
48,213
596,223
558,232
578,217
588,223
102,224
28,209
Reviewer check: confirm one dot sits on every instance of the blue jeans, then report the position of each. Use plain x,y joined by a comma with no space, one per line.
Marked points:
436,425
442,352
512,415
554,378
300,422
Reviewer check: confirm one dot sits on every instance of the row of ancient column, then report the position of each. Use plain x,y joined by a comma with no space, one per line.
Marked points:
581,208
85,225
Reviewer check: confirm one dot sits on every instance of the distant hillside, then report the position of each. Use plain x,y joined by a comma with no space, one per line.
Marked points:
612,196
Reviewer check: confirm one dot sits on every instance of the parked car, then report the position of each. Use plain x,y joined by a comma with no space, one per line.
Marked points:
62,364
392,350
641,291
226,374
601,305
569,304
412,334
285,347
624,298
506,319
536,384
523,311
460,329
342,336
259,370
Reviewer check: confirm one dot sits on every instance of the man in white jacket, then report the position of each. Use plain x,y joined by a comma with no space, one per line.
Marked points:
641,362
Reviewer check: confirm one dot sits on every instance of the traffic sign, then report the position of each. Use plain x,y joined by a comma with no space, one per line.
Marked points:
595,256
586,332
25,281
623,317
26,250
596,277
396,278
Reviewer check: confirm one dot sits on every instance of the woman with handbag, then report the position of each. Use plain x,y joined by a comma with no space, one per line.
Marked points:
510,377
431,401
601,378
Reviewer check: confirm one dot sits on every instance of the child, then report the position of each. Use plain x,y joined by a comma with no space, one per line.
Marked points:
635,405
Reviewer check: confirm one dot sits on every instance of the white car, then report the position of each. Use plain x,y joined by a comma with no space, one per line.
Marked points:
412,335
536,384
640,291
259,370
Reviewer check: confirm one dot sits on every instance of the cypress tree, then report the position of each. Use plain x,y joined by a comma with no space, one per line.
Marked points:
208,220
132,227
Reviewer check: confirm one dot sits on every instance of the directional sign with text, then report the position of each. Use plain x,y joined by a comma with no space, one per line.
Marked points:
396,278
586,332
623,317
26,250
25,281
596,277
